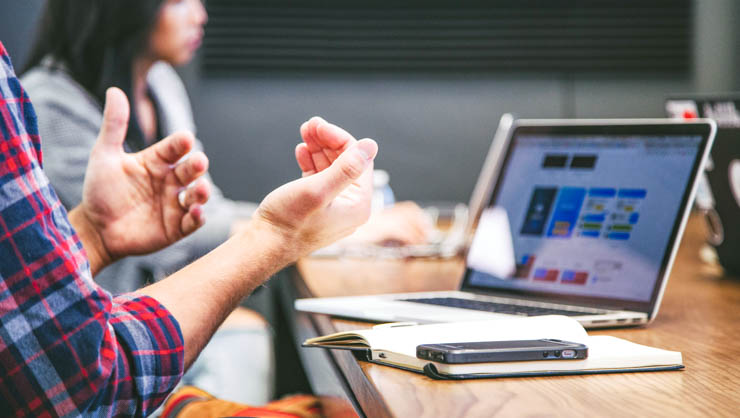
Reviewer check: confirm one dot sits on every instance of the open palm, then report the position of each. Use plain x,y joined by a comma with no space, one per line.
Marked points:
132,199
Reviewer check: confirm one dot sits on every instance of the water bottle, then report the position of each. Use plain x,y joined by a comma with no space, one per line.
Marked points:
382,193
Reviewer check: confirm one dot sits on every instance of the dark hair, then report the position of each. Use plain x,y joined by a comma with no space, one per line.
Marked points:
97,40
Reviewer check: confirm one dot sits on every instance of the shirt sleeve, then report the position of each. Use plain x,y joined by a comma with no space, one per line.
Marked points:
67,347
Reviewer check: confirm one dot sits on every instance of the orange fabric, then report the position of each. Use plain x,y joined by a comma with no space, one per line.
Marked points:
191,402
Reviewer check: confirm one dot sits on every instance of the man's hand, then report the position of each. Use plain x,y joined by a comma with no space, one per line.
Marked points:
333,197
130,203
404,223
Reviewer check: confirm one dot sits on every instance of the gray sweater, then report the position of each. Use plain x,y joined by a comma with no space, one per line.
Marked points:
69,119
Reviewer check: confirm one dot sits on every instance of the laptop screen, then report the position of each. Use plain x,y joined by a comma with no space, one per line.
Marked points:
587,216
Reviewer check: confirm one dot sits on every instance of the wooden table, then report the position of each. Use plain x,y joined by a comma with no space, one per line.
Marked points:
700,316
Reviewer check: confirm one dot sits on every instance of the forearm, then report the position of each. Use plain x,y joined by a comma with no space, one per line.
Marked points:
201,295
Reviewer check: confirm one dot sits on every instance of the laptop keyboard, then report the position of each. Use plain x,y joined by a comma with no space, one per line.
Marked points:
504,308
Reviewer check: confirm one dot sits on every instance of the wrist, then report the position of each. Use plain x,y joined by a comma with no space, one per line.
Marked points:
274,242
97,253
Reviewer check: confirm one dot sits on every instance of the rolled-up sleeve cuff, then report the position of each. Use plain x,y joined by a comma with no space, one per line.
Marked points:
154,344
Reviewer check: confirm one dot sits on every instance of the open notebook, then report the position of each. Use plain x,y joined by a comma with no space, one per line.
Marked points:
395,345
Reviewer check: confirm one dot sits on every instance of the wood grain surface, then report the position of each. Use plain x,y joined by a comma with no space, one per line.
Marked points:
699,316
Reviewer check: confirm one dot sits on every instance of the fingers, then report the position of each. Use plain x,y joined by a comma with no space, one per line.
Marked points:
332,137
308,133
191,168
172,148
196,194
115,118
191,200
348,168
318,158
325,141
305,162
192,220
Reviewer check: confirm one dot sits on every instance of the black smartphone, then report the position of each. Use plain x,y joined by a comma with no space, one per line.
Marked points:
496,351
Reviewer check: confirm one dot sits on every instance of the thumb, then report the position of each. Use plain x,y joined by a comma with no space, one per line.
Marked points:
115,118
346,169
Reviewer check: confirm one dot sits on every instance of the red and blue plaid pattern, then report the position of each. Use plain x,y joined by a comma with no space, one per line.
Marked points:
67,348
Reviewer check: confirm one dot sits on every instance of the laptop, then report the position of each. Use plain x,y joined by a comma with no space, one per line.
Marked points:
718,193
584,219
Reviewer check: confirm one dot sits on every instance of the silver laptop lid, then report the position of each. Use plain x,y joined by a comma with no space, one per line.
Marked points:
489,173
588,212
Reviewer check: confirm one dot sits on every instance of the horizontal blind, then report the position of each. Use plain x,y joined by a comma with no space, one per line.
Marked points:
448,36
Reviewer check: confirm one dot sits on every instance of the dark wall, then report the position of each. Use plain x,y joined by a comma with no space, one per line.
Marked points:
433,133
433,130
17,27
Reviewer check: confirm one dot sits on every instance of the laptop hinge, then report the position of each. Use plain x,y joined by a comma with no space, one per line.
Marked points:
542,299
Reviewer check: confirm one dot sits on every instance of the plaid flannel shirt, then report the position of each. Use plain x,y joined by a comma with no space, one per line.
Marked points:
67,348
